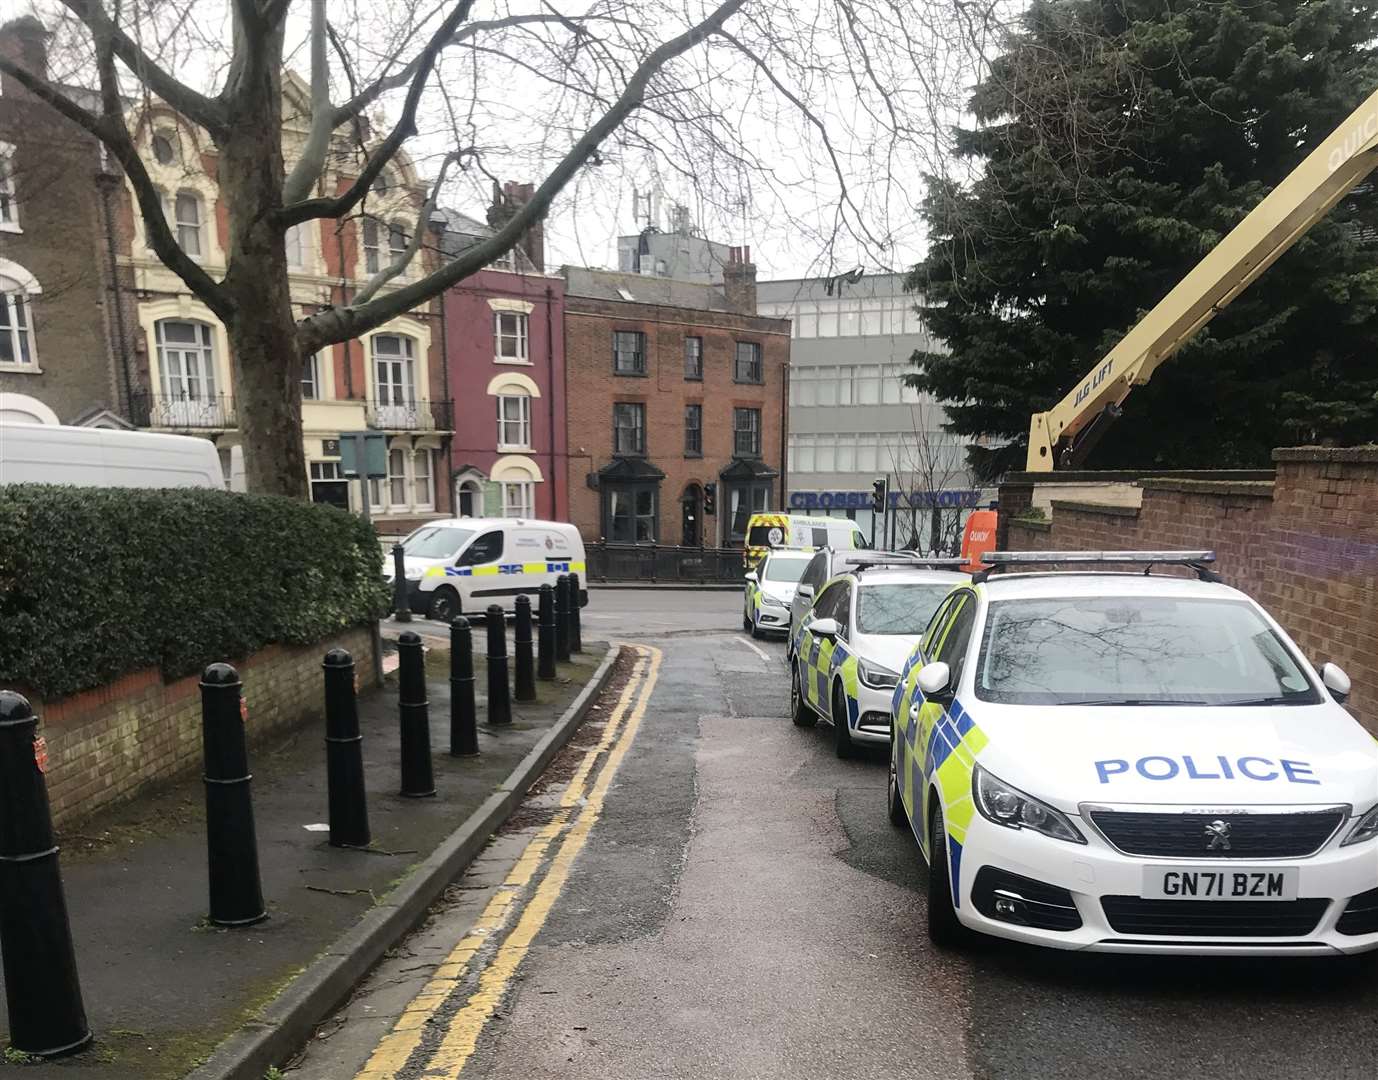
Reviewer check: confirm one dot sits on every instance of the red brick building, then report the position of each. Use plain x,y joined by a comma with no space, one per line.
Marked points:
677,399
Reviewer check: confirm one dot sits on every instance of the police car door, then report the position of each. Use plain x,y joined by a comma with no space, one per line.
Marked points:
815,653
478,565
949,647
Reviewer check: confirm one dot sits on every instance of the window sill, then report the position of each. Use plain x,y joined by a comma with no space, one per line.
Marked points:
10,227
22,369
749,382
693,378
504,448
510,360
631,374
693,454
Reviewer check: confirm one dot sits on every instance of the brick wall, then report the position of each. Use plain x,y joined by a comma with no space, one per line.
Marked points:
1305,546
589,326
105,745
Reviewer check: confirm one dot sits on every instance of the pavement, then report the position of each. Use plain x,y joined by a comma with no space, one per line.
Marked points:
700,889
161,986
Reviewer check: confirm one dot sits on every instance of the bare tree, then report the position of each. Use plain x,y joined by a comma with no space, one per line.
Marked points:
928,460
869,88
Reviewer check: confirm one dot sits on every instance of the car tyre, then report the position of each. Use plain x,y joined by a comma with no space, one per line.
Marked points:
444,604
842,734
746,624
756,630
945,930
899,816
799,709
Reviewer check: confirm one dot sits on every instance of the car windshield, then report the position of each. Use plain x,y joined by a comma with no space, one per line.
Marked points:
897,608
787,570
435,543
1136,650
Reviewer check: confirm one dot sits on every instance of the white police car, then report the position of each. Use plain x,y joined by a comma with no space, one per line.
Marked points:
845,657
1125,762
769,590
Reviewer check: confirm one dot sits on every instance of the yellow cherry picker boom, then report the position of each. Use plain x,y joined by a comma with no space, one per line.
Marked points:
1064,435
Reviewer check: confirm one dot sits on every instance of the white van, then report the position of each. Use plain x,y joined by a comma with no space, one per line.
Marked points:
462,565
99,457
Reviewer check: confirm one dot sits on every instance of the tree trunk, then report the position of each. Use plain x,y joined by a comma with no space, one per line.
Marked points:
263,331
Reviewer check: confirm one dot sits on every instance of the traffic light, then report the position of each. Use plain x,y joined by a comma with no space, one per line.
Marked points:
879,494
710,499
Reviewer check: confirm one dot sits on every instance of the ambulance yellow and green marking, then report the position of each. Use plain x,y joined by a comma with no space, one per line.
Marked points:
753,554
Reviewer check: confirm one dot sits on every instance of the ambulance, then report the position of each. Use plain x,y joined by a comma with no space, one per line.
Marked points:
765,531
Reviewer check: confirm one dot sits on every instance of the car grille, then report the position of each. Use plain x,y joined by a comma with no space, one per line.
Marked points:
1213,918
1250,836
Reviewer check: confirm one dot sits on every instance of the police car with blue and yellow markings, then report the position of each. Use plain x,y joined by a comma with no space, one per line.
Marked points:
466,564
1136,763
770,589
846,655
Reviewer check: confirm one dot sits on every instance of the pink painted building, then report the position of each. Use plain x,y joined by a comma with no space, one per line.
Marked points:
505,359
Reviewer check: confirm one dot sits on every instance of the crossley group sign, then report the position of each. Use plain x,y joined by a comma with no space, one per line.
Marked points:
861,500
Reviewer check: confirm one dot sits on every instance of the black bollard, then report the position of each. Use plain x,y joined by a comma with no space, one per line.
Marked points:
562,618
231,843
344,754
414,712
545,645
499,701
463,713
42,990
576,629
524,673
401,605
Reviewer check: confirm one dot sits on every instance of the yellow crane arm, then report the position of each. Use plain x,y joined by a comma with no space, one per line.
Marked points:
1062,436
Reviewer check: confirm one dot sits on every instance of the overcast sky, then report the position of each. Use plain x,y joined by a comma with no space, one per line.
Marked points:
752,165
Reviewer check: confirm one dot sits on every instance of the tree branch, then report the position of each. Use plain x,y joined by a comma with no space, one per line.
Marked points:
423,221
311,164
198,108
340,324
401,131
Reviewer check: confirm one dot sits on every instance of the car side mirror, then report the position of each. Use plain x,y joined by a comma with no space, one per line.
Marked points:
750,575
825,628
1336,681
935,679
805,591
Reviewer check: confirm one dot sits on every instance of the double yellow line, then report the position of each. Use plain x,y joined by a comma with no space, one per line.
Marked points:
571,830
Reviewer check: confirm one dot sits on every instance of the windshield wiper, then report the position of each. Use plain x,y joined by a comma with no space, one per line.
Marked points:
1138,701
1302,698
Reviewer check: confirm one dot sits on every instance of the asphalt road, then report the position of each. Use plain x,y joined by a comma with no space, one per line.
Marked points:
741,908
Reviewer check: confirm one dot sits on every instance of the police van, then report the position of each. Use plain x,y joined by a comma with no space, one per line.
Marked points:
1132,762
462,565
766,531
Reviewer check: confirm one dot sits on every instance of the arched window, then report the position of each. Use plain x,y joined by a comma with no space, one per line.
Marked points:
469,498
17,344
397,240
517,478
163,146
187,377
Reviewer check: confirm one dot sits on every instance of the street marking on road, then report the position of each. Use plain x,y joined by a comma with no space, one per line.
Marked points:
462,1031
754,647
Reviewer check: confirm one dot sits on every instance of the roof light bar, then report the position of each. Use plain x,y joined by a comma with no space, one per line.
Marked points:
1176,558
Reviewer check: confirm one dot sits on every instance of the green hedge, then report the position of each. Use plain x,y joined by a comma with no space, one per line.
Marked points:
96,582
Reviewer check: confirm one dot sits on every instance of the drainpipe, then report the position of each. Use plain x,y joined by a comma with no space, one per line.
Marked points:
106,182
454,420
550,369
784,436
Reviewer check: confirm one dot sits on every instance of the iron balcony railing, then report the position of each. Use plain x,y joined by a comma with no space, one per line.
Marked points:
411,415
661,562
183,412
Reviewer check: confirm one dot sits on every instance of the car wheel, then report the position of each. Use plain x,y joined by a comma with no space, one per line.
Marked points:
899,817
842,734
756,630
746,624
944,928
799,709
444,604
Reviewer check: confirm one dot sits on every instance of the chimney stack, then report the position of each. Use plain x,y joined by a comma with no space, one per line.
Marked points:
507,200
25,42
739,281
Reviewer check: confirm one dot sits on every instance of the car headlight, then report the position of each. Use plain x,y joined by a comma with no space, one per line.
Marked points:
772,601
1366,828
412,574
877,677
1012,808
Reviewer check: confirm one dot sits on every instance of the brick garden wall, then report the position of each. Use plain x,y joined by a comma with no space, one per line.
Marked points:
1304,545
105,745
